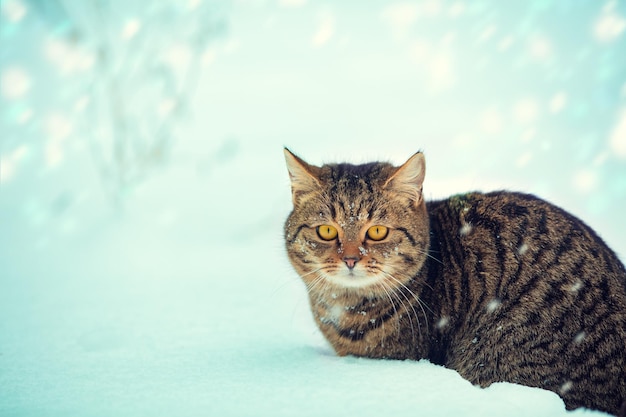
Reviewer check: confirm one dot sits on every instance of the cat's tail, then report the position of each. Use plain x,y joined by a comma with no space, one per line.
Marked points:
622,410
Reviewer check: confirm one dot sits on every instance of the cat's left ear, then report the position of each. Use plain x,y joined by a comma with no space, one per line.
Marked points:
409,178
304,177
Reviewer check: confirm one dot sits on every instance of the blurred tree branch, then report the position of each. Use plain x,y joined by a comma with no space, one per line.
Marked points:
142,63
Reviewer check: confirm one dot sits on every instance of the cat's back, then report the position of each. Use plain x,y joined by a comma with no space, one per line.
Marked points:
529,293
522,228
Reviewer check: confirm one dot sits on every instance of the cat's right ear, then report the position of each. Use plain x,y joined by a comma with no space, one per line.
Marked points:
304,177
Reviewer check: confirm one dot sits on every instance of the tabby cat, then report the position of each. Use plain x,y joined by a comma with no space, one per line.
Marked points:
499,286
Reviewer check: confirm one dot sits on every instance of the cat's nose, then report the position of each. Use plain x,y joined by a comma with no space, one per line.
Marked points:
350,261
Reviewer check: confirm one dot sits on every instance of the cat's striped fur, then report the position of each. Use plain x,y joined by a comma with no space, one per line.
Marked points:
500,286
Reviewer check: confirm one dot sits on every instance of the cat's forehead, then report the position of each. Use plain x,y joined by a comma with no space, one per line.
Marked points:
353,180
353,192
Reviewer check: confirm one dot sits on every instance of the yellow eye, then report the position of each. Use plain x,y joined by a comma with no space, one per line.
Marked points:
327,232
377,232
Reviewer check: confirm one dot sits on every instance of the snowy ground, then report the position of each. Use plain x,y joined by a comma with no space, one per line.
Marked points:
199,316
180,301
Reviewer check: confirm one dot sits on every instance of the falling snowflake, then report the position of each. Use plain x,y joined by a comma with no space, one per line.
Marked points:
493,305
443,322
580,337
576,286
465,229
522,249
566,387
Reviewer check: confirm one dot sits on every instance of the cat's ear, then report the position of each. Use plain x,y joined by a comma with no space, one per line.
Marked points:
408,179
304,177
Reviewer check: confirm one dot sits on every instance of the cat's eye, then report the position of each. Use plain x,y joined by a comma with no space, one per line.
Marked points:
327,232
377,232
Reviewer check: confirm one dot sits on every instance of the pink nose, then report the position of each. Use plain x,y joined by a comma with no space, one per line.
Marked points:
350,261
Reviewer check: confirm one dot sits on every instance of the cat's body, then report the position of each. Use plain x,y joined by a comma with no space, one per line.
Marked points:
500,286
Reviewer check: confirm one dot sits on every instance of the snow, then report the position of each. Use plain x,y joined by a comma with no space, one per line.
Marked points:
156,336
147,318
173,295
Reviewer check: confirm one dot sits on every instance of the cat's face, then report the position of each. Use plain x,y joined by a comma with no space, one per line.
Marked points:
356,229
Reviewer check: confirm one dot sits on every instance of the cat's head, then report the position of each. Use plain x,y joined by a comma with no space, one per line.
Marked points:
356,229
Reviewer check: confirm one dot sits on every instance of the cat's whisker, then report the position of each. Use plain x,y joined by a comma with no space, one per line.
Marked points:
395,277
308,287
419,301
428,254
408,301
319,281
382,323
396,292
312,272
410,278
312,284
287,282
393,305
394,299
283,285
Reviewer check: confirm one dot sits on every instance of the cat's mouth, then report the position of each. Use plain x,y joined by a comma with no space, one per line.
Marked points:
353,278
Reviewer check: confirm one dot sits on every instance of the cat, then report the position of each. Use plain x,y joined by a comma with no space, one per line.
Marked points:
499,286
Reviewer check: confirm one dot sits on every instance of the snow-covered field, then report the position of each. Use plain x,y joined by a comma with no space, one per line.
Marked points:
178,300
186,306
